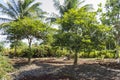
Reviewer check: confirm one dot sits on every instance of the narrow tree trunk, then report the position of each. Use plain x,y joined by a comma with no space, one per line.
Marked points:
75,58
117,51
15,47
15,50
29,54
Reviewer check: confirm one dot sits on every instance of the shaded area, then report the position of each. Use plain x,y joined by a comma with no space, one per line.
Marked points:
63,70
112,65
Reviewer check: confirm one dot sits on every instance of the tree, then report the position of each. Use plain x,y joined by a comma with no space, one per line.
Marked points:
15,10
13,32
78,28
29,29
112,18
66,6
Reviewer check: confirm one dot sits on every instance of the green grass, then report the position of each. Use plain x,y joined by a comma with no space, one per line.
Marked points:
5,67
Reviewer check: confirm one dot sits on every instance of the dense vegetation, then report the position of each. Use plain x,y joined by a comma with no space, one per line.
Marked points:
79,34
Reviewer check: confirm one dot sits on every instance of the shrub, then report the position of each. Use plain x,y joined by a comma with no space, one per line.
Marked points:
92,55
27,52
60,53
98,54
40,51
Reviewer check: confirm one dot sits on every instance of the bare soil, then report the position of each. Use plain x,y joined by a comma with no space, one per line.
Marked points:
59,69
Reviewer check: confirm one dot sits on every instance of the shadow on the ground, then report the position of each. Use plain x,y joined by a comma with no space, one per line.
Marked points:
21,63
69,72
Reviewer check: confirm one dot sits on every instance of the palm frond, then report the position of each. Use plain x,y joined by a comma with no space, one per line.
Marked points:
62,10
20,9
15,4
11,7
57,4
31,8
27,3
80,3
6,11
6,19
88,7
40,13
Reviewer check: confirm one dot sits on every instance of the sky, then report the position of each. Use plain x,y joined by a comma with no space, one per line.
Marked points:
47,5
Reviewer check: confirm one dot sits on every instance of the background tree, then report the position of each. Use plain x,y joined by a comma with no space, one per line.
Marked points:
65,7
112,18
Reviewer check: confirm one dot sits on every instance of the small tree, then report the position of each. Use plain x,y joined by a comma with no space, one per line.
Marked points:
31,29
13,32
26,28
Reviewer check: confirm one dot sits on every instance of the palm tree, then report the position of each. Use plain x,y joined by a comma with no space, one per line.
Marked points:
66,6
17,9
69,4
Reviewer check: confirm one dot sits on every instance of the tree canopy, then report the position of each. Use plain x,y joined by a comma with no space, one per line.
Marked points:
79,27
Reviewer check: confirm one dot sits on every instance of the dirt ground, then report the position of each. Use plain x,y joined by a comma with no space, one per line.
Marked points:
59,69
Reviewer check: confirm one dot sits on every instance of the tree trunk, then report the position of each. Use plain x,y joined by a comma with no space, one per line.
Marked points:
117,50
15,47
29,54
75,58
15,50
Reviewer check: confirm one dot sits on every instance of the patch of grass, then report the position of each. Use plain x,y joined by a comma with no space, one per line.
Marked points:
5,67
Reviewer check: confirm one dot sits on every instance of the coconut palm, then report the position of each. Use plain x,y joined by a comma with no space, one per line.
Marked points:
69,4
66,6
17,9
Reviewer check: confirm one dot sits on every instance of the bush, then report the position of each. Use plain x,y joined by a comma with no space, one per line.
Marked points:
60,53
45,51
98,54
4,68
18,53
40,51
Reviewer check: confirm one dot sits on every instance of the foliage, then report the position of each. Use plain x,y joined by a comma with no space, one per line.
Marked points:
80,28
27,28
111,17
39,51
98,54
49,39
5,67
15,9
1,46
19,44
